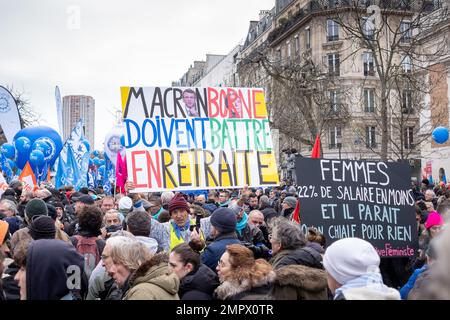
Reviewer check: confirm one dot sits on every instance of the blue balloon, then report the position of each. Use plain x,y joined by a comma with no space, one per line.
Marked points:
96,153
440,135
87,144
96,161
37,158
50,142
12,164
23,144
102,162
8,150
45,146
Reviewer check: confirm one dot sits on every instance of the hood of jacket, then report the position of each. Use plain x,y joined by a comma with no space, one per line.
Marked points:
158,274
299,276
230,288
204,280
150,243
302,256
371,293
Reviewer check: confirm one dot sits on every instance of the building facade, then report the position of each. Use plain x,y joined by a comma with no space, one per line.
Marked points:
75,108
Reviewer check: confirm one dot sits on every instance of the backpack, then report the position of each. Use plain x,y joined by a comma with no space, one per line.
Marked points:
87,247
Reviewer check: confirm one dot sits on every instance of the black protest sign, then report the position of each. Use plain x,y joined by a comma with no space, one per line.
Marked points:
364,199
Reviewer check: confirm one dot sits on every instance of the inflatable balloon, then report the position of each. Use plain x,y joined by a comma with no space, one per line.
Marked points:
23,145
49,141
87,144
8,150
440,135
96,161
37,158
12,164
45,145
114,143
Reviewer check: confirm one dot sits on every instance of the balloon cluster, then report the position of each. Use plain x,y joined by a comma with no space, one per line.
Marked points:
40,146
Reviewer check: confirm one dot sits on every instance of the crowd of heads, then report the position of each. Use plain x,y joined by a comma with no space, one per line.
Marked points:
225,244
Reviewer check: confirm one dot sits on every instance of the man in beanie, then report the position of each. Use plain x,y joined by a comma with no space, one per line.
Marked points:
288,206
223,231
42,227
177,230
353,273
34,207
80,202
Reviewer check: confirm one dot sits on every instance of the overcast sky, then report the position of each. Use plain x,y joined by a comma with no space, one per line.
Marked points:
116,43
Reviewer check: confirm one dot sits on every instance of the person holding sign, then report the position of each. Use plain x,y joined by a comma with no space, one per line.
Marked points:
353,272
177,230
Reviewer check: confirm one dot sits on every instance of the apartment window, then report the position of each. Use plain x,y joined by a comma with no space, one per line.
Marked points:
297,44
407,102
407,64
278,54
288,49
369,100
369,66
334,101
368,28
333,64
335,137
408,137
332,30
333,3
370,137
308,37
405,31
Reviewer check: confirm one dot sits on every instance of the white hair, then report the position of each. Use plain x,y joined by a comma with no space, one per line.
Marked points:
128,252
10,205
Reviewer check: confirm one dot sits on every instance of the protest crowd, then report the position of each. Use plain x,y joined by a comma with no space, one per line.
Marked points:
236,244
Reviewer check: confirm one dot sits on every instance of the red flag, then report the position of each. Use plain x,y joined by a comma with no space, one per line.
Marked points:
296,214
28,177
316,150
121,172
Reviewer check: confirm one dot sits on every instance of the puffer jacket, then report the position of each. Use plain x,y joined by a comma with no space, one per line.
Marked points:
153,281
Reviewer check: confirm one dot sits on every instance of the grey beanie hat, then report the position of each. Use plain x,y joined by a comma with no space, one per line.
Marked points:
36,207
290,201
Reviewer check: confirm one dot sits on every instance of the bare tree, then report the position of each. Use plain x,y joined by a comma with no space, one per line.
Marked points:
390,39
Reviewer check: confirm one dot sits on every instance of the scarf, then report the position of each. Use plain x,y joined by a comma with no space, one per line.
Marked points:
373,280
156,215
241,224
179,229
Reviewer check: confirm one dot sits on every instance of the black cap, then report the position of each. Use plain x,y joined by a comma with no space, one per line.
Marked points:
85,199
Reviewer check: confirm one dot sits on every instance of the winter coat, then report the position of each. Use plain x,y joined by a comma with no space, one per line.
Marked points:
405,290
10,286
150,243
153,282
199,285
303,256
256,289
420,285
298,282
210,206
212,253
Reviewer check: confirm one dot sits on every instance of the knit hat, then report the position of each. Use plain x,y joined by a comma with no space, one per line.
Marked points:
125,203
264,201
224,220
434,219
36,207
235,208
4,227
14,223
178,202
290,201
350,258
42,227
15,184
51,211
